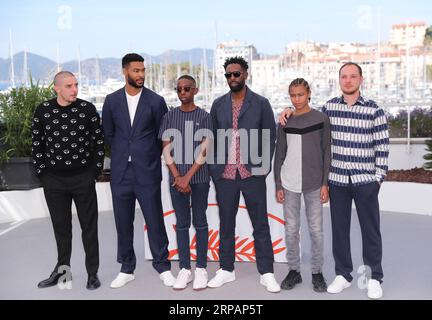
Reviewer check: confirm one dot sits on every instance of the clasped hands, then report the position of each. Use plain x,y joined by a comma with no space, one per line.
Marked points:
181,183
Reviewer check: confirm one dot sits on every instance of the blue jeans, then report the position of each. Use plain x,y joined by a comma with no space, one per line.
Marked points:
314,216
182,206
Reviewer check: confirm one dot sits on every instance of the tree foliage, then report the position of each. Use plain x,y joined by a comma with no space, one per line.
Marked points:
17,108
421,124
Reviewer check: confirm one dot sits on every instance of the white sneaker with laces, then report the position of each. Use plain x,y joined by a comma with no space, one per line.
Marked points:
167,278
183,278
121,280
374,290
221,278
268,280
338,285
201,279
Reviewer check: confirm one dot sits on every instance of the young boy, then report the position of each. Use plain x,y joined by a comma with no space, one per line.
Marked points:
189,178
302,163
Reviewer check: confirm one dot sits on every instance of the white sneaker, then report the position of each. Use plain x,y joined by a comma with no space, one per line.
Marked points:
374,290
268,280
121,280
338,285
221,278
201,279
167,278
183,278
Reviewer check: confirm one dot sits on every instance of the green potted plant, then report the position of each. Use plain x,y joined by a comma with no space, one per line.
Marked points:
16,115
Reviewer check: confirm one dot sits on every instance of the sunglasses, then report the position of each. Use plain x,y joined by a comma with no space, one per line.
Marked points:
186,89
236,74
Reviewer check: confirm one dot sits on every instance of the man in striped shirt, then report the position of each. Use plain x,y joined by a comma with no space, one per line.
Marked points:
360,144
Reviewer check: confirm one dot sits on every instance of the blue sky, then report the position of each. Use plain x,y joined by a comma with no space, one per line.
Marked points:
111,28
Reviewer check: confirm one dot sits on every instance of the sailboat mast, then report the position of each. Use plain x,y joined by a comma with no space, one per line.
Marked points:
79,70
407,88
379,55
12,70
97,71
25,70
206,96
213,82
58,58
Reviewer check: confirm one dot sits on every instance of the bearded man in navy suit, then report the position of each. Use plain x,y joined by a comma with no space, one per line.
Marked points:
131,119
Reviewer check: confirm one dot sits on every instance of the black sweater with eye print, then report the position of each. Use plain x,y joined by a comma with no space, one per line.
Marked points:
67,139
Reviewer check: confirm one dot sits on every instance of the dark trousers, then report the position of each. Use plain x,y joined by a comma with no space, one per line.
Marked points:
124,197
182,205
59,192
366,201
228,196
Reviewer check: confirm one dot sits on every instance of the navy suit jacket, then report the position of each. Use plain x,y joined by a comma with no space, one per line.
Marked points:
139,140
256,113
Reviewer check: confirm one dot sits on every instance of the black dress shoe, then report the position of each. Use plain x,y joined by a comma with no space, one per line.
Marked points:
93,282
51,281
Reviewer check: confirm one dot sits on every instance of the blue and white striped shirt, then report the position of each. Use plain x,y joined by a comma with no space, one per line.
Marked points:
187,124
360,142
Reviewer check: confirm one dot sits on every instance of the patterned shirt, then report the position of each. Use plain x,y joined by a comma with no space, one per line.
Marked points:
186,125
234,159
66,139
360,142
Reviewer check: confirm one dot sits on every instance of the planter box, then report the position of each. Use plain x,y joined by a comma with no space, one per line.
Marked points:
18,174
406,197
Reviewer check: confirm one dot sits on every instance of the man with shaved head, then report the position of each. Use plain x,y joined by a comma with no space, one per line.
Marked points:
68,154
62,75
